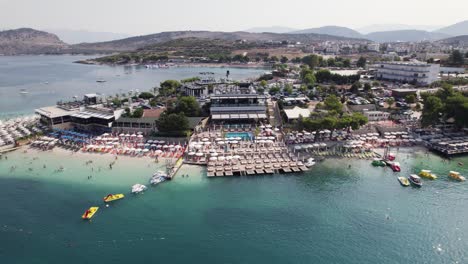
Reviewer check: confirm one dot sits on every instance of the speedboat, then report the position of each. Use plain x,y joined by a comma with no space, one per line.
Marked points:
88,214
138,188
395,167
404,181
113,197
456,176
310,162
158,177
391,157
100,80
427,174
415,180
23,91
378,163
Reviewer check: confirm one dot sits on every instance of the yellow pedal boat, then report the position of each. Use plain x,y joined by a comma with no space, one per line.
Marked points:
456,176
88,214
427,174
113,197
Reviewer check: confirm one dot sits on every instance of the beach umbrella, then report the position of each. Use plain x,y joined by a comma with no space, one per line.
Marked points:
145,150
165,146
138,149
140,136
199,154
105,134
207,143
162,142
132,135
237,138
236,157
171,146
221,158
213,158
214,154
158,151
139,132
122,135
190,153
205,139
177,146
149,141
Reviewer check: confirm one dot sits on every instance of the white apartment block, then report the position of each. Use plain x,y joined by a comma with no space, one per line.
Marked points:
373,47
418,72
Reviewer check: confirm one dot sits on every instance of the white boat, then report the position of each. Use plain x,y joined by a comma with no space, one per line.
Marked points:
23,91
310,162
101,81
138,188
158,177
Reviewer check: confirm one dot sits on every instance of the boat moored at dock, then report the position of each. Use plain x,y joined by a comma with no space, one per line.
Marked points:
378,163
158,177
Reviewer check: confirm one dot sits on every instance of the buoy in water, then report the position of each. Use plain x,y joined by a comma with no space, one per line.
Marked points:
107,205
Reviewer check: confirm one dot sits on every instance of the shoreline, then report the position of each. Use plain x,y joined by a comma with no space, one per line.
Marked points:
182,65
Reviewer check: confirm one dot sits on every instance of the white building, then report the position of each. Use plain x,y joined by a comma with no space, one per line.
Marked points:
417,72
376,115
373,47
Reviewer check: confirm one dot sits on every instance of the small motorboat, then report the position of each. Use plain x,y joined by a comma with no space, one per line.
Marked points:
310,162
427,174
158,177
404,181
391,157
23,91
415,180
138,188
378,163
395,167
100,80
113,197
456,176
88,214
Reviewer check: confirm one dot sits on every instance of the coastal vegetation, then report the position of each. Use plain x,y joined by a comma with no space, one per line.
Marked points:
444,105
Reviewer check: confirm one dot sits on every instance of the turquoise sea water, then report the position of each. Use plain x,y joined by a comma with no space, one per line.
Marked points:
332,214
49,79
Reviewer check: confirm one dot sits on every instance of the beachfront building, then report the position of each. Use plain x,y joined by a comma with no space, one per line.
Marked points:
235,104
411,72
96,118
376,115
295,113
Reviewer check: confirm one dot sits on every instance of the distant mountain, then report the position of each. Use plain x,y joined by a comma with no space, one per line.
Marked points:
272,29
333,31
80,36
30,41
134,43
405,36
458,40
457,29
395,27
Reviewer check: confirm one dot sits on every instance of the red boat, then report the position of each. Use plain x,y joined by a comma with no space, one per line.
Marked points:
396,167
391,157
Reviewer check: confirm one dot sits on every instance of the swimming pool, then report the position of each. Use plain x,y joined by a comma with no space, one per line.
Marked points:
243,135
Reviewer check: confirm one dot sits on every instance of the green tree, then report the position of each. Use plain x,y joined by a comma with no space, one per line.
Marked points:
288,89
361,62
137,113
284,59
263,83
333,103
431,113
146,95
172,123
311,60
310,80
410,98
188,105
347,63
456,58
367,87
390,101
169,87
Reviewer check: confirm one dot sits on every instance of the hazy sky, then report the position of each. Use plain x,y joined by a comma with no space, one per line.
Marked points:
150,16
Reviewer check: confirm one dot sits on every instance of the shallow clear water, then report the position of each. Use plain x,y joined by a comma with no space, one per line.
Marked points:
333,214
48,79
